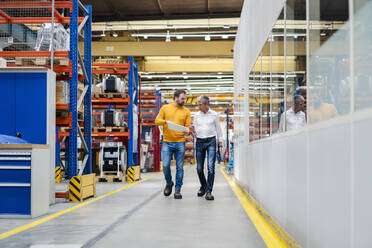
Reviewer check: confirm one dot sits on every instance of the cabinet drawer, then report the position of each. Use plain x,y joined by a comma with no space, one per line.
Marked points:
15,200
15,176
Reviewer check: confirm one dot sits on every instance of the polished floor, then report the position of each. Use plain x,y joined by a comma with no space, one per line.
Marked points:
140,216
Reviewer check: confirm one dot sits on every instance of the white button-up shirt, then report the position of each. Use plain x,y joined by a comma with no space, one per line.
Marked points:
293,120
207,125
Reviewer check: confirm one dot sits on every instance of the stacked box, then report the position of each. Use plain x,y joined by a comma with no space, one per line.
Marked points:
63,93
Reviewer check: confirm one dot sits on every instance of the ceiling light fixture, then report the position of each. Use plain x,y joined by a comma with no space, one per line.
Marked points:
225,37
226,26
207,38
167,38
103,34
145,37
179,37
115,35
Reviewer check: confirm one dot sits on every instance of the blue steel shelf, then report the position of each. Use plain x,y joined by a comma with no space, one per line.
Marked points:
74,57
133,100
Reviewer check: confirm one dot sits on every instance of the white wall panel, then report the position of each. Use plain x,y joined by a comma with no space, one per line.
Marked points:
363,184
278,176
296,186
330,186
303,178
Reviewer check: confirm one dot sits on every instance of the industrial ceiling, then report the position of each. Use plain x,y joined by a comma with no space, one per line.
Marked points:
124,10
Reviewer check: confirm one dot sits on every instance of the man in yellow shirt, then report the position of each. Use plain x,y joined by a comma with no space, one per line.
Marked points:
173,141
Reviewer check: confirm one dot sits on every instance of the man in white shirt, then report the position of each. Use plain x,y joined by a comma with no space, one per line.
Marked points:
207,129
294,117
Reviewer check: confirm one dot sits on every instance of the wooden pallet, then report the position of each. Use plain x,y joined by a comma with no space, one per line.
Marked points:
41,61
109,95
111,178
108,129
148,93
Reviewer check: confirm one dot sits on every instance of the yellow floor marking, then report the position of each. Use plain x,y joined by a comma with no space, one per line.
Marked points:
269,236
53,216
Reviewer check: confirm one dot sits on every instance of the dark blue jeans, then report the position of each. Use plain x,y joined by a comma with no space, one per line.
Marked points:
178,149
206,147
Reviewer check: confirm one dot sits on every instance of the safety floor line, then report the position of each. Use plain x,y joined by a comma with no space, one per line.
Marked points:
267,233
53,216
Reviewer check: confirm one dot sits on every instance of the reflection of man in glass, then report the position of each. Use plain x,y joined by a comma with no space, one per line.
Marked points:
294,117
319,110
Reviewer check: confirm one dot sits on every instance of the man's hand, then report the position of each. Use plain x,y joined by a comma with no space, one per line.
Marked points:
191,130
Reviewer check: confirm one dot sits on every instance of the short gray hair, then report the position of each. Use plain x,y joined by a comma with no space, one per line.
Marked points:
203,99
298,98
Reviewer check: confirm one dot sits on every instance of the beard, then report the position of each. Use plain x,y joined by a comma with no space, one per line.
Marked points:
181,104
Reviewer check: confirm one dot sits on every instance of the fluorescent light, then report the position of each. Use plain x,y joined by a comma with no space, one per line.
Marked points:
207,37
185,77
219,73
219,77
184,35
145,37
226,26
179,37
115,35
103,34
225,36
184,73
167,38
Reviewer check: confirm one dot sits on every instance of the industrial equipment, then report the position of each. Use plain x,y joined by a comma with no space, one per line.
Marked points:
112,118
112,158
112,84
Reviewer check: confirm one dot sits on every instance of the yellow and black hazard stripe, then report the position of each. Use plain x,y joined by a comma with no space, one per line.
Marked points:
58,174
130,174
74,187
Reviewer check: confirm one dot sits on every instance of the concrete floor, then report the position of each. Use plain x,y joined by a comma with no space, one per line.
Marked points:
140,216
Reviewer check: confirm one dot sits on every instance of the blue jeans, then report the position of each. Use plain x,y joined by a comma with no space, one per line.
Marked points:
206,147
178,149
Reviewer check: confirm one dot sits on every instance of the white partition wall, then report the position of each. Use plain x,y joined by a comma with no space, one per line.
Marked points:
315,180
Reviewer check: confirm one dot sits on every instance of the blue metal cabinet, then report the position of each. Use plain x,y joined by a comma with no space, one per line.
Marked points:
24,172
24,105
31,106
27,98
7,106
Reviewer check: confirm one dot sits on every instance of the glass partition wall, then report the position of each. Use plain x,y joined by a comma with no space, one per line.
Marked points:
315,65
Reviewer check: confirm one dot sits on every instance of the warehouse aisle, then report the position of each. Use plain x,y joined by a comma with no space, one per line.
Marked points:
140,216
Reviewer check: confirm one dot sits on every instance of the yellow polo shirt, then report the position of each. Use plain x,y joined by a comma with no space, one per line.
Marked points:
175,114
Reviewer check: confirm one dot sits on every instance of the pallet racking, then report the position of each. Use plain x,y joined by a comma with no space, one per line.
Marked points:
10,11
147,120
126,104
